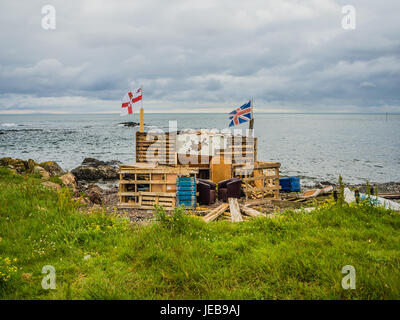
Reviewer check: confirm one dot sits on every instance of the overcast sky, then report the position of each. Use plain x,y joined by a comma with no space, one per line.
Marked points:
200,55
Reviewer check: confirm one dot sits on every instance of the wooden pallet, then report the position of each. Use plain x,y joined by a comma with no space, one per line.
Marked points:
142,185
162,148
147,200
260,181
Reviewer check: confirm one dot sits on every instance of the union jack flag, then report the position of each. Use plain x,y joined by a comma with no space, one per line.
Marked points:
240,115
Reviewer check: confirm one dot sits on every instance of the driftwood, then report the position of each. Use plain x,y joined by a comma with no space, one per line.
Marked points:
214,214
235,210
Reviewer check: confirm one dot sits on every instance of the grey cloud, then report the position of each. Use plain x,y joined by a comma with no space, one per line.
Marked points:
287,55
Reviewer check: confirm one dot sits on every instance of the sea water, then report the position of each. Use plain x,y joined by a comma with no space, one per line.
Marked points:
315,147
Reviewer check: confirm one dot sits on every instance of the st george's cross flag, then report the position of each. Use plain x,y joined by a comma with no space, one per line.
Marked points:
240,115
129,100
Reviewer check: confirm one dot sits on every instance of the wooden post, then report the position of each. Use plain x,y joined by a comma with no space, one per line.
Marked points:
251,124
141,120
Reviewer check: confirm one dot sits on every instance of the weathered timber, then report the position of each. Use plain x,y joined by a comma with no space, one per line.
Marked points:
214,214
234,209
250,212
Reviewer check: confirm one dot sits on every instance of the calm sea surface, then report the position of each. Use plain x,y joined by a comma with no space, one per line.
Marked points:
312,146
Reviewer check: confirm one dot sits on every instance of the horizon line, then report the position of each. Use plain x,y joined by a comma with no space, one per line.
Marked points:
150,112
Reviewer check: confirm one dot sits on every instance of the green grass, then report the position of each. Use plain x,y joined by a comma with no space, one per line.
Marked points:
294,256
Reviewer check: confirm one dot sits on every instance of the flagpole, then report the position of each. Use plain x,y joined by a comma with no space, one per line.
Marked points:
251,123
141,125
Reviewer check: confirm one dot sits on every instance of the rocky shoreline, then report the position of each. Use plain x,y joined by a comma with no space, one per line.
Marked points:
95,182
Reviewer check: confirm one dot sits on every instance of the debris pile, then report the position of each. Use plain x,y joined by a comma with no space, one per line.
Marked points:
234,210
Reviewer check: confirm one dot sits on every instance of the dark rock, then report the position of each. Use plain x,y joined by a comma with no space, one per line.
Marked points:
94,170
5,161
94,193
28,166
131,124
92,162
52,167
21,166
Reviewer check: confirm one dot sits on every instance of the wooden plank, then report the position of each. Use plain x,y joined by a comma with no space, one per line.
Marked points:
257,202
146,182
136,206
220,171
265,189
214,214
250,212
159,169
128,193
260,178
234,209
152,198
147,193
155,152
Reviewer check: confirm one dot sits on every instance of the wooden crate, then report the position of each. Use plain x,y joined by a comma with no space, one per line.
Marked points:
143,185
260,182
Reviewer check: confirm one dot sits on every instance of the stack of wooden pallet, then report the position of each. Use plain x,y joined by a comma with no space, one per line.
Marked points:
142,185
156,148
